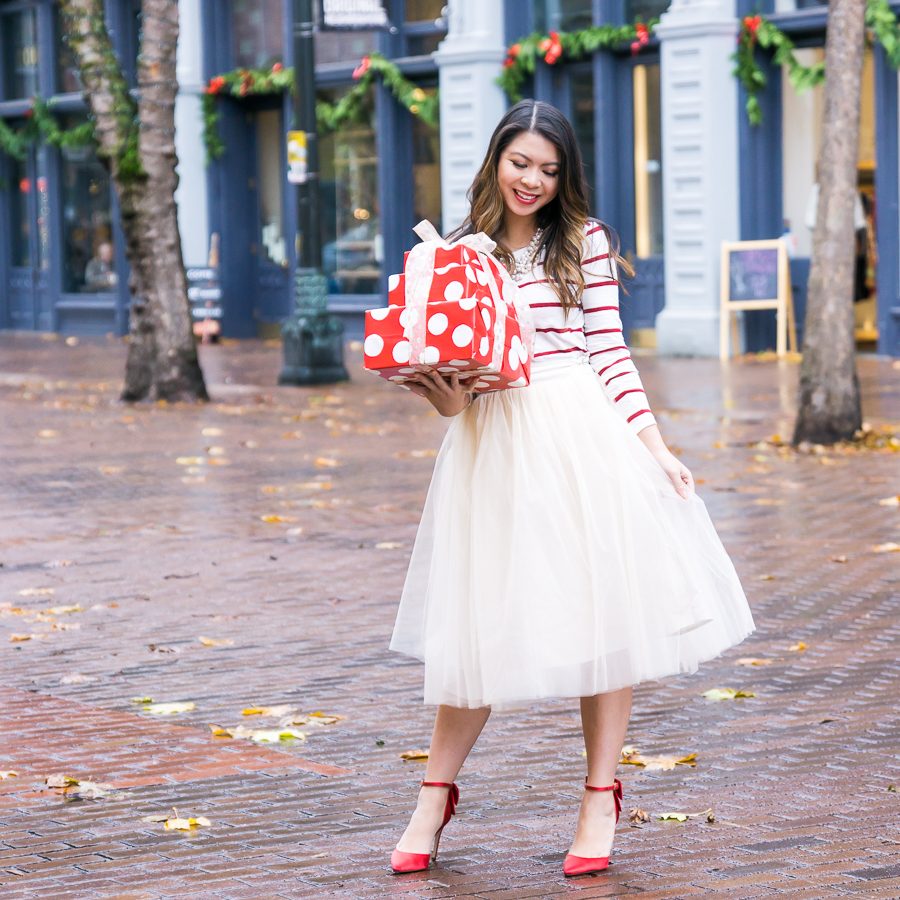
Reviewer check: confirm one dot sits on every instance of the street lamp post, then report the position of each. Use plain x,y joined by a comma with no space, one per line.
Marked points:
312,337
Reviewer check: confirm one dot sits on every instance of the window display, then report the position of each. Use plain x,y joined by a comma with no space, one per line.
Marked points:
427,169
20,55
88,264
352,244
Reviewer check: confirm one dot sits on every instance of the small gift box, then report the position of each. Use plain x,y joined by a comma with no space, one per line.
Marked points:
455,308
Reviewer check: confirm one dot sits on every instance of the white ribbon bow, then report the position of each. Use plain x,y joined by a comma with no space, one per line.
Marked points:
419,272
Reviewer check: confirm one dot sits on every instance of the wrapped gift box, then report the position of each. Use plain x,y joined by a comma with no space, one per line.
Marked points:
460,338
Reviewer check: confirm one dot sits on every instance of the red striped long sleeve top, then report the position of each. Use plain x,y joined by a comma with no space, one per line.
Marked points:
592,332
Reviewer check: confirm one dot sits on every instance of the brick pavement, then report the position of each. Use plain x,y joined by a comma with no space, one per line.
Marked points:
165,551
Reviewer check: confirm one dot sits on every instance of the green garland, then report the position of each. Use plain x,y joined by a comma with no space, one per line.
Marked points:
522,56
41,123
757,30
329,117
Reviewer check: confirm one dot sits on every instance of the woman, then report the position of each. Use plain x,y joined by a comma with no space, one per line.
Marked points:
562,550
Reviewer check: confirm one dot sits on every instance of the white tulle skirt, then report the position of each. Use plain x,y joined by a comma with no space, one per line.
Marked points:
555,558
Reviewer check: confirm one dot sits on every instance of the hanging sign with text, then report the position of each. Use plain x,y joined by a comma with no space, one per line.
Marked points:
341,15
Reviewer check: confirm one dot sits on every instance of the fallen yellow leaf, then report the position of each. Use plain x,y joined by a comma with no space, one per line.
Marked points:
294,532
767,501
889,547
260,735
766,577
725,694
838,559
798,646
169,709
215,642
753,661
325,462
632,757
190,461
282,710
278,518
61,610
215,451
219,461
417,755
211,432
272,489
4,775
890,501
36,592
388,545
17,638
681,817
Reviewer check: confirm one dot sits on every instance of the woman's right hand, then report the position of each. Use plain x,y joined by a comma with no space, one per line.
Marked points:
449,398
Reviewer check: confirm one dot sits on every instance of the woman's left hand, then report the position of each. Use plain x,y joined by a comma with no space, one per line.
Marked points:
678,473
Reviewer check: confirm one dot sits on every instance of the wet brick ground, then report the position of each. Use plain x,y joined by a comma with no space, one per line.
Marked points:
167,542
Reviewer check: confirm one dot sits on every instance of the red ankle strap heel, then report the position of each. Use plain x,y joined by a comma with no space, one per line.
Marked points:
588,865
402,862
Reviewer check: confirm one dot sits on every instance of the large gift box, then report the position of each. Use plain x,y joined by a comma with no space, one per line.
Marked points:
454,308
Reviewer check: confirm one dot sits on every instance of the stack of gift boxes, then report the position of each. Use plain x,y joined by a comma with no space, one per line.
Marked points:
466,294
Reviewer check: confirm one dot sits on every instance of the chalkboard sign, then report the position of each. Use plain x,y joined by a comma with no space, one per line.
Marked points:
753,274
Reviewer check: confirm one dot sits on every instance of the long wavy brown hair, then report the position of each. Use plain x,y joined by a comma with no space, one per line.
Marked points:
563,218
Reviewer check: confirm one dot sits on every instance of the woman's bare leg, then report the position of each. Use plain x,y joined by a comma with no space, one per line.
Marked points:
454,735
604,719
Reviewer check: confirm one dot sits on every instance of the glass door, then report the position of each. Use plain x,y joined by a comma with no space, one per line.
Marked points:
647,290
29,242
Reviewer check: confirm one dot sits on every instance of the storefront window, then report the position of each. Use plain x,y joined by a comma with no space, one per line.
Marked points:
256,30
271,172
20,54
645,10
562,15
352,244
20,213
582,81
648,221
68,79
427,170
343,46
88,264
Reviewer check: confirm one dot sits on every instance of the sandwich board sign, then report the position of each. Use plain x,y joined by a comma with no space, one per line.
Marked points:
755,275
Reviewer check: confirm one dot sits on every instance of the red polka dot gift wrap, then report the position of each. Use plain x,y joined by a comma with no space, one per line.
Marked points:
455,308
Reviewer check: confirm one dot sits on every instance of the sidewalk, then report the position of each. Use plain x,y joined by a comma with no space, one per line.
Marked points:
281,519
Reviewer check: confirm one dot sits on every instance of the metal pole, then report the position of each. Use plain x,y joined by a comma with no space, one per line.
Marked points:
310,251
312,338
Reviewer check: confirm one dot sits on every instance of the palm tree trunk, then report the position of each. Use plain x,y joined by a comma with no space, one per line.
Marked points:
829,402
137,142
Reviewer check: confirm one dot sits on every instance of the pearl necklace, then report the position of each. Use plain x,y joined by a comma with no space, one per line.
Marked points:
524,265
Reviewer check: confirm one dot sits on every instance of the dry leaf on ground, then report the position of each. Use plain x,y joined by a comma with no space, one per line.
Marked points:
63,610
77,678
211,432
190,461
5,775
889,547
632,757
637,816
680,816
168,709
315,485
325,462
260,735
766,578
838,559
179,823
725,694
890,501
797,647
215,642
83,790
36,592
753,661
316,718
276,711
18,638
277,519
388,545
417,755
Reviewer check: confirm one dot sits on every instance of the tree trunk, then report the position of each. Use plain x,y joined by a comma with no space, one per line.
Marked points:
829,403
137,142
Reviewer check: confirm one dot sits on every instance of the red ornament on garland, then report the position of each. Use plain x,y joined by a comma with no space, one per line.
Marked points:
551,48
362,68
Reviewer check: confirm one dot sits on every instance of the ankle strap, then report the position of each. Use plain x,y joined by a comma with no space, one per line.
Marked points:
615,787
435,784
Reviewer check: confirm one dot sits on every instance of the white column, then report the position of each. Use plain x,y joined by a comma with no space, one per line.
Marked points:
469,60
700,168
193,217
